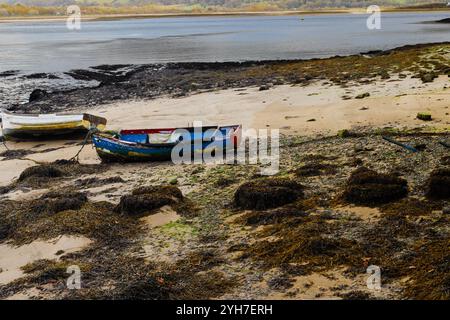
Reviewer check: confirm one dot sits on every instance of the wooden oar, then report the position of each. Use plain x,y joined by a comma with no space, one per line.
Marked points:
407,147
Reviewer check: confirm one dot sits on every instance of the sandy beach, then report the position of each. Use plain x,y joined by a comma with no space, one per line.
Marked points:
393,103
312,110
313,239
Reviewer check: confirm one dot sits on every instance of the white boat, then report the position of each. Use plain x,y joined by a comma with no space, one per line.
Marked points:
48,125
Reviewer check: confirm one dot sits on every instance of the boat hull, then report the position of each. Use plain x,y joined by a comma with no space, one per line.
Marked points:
22,126
113,149
110,150
28,133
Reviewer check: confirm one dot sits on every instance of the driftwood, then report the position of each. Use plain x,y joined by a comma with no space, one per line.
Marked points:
407,147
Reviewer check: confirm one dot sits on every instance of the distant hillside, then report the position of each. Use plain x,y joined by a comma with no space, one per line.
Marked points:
281,4
57,7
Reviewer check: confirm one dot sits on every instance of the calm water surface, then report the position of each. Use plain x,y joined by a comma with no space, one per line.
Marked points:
51,47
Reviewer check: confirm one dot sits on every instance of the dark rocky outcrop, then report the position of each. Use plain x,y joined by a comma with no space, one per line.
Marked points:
37,94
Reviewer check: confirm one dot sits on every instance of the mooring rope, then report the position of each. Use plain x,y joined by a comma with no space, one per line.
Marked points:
74,158
85,141
4,144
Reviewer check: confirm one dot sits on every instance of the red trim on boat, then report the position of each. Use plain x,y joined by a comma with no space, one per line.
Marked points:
166,130
146,131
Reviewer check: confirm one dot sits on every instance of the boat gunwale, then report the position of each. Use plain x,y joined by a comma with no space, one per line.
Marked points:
119,141
148,145
55,116
190,129
37,115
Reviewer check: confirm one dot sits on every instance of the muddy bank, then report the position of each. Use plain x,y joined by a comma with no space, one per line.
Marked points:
125,82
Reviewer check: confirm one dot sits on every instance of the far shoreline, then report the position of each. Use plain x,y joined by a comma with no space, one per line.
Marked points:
110,17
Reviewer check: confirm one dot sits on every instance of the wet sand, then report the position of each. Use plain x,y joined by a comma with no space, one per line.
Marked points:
12,258
392,103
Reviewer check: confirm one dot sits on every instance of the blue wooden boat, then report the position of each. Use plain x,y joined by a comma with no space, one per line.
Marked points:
157,144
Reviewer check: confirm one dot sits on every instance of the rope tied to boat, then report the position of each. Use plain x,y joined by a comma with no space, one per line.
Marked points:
85,142
4,143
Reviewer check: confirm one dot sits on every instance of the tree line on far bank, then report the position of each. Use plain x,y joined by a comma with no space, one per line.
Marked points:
58,7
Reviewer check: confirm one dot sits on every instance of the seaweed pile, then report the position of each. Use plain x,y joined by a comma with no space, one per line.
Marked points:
266,193
68,213
366,186
104,277
315,169
111,265
47,174
145,199
409,240
294,225
439,184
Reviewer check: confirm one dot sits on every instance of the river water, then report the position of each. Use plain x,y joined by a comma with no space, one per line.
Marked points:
50,46
32,47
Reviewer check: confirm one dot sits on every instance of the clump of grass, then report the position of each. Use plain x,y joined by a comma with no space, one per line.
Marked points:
401,248
424,116
59,168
